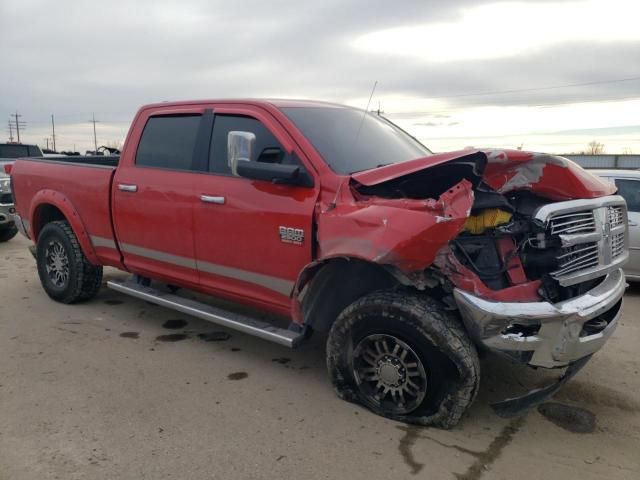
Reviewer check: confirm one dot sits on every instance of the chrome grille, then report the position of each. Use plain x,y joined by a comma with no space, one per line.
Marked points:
574,222
577,257
616,216
617,245
592,234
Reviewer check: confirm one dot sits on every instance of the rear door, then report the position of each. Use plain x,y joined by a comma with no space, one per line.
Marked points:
252,237
153,196
629,188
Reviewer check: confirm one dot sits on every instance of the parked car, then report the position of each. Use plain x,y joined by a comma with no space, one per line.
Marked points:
8,153
343,223
628,184
8,229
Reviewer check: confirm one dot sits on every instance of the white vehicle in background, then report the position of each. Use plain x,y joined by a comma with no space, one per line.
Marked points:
628,183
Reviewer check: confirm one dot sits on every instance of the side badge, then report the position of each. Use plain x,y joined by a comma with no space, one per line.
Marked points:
291,235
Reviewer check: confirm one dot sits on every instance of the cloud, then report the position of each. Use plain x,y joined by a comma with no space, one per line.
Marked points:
72,58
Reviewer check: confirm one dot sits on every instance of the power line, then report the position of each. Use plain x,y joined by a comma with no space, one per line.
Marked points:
537,89
553,104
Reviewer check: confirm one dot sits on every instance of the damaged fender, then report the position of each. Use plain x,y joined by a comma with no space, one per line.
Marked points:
405,233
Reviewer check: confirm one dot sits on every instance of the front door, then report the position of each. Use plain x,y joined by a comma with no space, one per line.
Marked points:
630,190
252,237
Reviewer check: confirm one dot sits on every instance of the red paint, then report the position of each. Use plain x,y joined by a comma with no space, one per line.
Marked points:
166,215
515,271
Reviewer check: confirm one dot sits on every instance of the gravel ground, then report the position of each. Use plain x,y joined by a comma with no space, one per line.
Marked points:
118,388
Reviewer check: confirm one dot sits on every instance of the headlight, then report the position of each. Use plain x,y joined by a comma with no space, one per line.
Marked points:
4,185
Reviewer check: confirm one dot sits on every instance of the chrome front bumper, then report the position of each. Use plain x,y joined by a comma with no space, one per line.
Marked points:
558,337
22,225
6,214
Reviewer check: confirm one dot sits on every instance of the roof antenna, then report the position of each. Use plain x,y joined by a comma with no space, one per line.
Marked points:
375,84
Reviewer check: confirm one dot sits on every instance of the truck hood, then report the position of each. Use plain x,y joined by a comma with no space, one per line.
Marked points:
550,176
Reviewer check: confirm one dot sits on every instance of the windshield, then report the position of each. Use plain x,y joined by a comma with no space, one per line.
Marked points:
350,140
19,150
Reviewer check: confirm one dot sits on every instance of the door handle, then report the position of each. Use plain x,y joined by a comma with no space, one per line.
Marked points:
212,199
127,188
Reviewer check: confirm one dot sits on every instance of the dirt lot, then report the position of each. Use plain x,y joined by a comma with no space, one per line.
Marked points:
104,390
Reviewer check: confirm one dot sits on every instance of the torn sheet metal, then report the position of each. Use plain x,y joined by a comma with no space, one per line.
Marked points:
550,176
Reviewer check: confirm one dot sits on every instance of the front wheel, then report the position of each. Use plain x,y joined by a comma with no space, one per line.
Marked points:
403,356
8,232
65,273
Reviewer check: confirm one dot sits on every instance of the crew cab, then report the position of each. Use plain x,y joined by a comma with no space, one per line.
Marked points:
343,223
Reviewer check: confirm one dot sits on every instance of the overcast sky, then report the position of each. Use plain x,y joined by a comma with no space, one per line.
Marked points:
548,75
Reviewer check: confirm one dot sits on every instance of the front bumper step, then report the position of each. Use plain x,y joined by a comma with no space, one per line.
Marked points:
235,321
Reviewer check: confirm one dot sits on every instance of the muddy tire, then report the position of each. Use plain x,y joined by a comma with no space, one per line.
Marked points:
65,273
403,356
7,233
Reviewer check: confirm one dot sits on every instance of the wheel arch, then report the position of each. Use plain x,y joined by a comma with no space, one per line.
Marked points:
49,206
327,287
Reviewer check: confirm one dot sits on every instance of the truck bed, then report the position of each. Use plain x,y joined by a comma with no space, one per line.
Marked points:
86,183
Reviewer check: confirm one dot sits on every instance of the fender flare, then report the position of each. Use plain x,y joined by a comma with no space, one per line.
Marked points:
62,203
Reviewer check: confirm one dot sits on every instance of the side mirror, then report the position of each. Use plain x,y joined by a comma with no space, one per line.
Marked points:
240,146
276,173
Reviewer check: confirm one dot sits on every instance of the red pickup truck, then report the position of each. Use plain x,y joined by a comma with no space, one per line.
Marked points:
344,223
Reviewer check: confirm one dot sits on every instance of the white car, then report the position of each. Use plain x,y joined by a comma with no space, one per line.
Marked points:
628,183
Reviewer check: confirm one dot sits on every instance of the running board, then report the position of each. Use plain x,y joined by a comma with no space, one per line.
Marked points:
236,321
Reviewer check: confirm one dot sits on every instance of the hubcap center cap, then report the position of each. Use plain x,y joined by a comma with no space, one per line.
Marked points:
390,372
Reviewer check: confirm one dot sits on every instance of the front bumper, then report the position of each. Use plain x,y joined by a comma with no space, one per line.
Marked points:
547,335
6,214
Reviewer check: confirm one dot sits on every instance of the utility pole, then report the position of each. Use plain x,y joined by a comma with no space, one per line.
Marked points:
10,131
46,139
53,134
18,123
95,140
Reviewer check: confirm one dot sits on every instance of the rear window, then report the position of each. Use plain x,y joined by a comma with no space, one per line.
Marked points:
168,142
19,150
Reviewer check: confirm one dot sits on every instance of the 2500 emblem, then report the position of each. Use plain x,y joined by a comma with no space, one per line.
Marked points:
291,235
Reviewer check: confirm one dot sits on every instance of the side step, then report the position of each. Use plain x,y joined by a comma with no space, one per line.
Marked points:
236,321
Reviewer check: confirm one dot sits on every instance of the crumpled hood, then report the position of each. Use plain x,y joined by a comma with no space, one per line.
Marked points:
550,176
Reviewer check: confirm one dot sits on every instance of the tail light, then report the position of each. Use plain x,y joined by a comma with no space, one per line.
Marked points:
7,168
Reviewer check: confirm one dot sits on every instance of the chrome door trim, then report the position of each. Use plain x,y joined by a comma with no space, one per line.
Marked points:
213,199
124,187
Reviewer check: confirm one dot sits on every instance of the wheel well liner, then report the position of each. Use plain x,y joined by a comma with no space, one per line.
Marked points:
337,283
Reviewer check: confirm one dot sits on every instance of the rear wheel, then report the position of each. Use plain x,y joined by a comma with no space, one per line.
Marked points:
403,356
65,273
8,232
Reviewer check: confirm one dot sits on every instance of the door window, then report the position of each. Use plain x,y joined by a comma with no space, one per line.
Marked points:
267,148
168,142
630,191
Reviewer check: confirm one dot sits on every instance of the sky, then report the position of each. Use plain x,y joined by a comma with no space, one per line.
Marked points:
545,75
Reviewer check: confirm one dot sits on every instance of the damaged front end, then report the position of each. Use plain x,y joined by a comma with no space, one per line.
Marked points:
528,247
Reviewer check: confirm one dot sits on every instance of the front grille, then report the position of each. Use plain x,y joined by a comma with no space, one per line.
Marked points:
575,222
617,245
592,235
616,216
576,257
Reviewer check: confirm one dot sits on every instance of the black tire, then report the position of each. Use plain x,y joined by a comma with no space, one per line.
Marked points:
82,280
435,336
7,233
